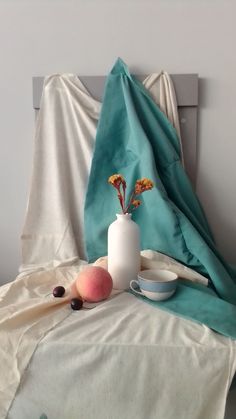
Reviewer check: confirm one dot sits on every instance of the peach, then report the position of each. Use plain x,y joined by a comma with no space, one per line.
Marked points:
94,284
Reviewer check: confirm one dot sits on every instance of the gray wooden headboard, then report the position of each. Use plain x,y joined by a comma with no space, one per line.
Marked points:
186,87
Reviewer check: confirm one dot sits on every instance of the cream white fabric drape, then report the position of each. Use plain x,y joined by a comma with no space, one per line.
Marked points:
162,90
65,134
27,313
103,348
64,139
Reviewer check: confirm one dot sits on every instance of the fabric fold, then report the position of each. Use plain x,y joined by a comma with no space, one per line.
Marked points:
28,312
146,346
198,303
162,91
155,260
136,139
64,141
53,238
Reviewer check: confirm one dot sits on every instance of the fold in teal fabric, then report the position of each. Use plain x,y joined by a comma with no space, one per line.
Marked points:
195,302
136,139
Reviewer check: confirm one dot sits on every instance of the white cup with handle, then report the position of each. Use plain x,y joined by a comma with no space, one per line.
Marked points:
155,284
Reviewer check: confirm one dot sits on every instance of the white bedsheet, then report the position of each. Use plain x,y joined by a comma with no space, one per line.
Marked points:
125,359
28,312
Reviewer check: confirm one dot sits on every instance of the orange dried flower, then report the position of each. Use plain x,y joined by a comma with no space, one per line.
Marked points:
143,185
116,180
136,203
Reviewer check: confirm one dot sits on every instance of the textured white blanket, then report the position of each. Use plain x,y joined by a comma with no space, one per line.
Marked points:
122,356
126,359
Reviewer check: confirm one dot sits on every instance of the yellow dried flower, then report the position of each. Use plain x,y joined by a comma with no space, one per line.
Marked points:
136,203
119,183
143,185
116,180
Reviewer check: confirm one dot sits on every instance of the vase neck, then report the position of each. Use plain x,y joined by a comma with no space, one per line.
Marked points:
123,217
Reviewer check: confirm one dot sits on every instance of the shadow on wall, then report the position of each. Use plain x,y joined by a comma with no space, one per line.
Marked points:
223,227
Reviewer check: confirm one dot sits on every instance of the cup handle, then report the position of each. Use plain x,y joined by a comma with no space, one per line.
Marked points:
134,290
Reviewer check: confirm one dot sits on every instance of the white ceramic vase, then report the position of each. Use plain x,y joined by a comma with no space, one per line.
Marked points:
123,251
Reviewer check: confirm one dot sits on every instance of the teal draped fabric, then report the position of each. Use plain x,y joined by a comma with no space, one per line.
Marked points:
136,139
197,302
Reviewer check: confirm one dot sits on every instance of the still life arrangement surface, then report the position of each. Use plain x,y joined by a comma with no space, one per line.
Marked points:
172,221
109,341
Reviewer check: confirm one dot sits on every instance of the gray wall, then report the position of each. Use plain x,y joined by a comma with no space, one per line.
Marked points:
180,36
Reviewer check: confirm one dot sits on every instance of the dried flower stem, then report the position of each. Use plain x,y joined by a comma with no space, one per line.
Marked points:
141,186
120,197
124,197
130,202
